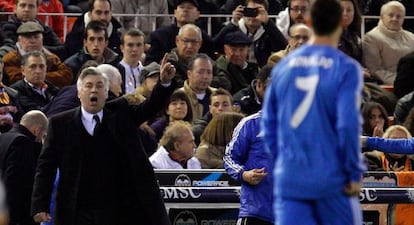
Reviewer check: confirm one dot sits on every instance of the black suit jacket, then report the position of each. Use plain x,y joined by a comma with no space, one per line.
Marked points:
63,149
18,154
404,81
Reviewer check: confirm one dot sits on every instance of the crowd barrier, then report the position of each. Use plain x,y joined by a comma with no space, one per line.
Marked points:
211,197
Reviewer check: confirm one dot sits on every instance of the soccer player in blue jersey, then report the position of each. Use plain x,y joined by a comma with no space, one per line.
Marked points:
312,126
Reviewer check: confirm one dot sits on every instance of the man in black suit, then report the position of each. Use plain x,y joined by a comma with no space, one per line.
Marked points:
19,149
105,176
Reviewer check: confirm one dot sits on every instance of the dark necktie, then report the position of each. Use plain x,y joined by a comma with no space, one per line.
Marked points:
97,125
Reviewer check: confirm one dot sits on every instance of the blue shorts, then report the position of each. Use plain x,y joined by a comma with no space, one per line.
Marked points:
337,210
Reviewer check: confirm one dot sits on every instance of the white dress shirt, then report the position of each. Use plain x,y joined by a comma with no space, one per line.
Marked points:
161,160
88,121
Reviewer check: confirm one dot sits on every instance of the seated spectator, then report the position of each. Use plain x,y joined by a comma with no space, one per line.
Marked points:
178,108
234,72
31,39
163,39
384,45
214,139
220,101
95,48
197,86
265,36
132,48
294,13
148,79
350,42
34,91
26,10
144,23
188,42
250,99
98,10
10,109
115,80
404,79
176,149
403,107
375,119
409,121
299,35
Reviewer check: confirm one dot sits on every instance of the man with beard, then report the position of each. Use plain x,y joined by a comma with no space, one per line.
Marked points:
293,14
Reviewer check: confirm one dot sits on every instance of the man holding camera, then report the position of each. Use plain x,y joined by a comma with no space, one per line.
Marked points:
253,20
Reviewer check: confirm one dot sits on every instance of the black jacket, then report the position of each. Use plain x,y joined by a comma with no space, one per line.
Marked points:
162,41
18,154
74,39
248,100
64,149
404,81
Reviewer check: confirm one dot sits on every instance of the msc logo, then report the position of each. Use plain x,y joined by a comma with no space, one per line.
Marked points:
182,180
185,218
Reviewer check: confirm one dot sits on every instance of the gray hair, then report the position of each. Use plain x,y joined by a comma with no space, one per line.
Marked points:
190,26
34,118
91,71
392,3
111,72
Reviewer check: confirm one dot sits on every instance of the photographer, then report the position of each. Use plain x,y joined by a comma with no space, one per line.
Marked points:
253,20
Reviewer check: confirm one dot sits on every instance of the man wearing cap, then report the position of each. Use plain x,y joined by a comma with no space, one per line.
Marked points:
148,79
30,38
98,10
188,41
132,48
162,40
265,36
26,10
234,71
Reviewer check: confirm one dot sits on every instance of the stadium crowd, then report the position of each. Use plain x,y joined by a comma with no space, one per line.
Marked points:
218,78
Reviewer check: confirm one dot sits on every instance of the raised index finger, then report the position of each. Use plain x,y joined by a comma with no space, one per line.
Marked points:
164,60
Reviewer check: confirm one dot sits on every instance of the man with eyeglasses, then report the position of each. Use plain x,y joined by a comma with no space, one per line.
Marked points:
132,47
188,42
299,35
295,13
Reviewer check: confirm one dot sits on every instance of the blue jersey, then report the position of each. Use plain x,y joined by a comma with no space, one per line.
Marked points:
312,122
397,146
245,152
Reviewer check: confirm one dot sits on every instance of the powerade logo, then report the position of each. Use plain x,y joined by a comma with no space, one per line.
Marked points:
182,180
185,218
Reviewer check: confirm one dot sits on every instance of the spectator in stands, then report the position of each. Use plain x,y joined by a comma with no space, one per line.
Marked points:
19,149
31,39
132,48
409,121
197,86
350,42
227,6
403,107
148,79
114,78
250,99
163,39
220,101
247,161
295,12
95,48
144,23
178,108
34,91
265,36
234,71
384,45
176,148
404,79
188,41
299,35
26,10
10,108
214,139
375,119
98,10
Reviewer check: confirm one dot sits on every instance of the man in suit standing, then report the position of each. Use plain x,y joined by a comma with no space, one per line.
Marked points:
105,176
19,149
